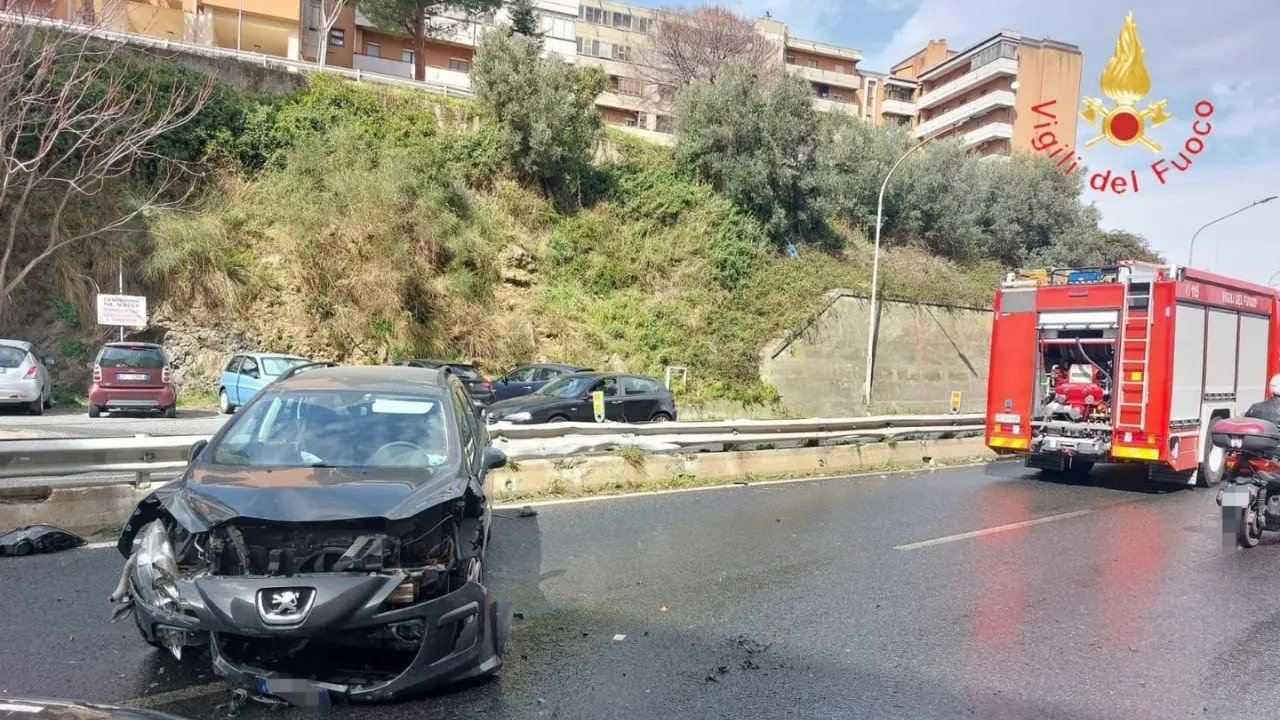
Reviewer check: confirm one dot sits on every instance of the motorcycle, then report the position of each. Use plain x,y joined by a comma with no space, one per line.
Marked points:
1250,492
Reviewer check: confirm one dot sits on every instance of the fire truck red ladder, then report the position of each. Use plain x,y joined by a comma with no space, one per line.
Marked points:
1135,350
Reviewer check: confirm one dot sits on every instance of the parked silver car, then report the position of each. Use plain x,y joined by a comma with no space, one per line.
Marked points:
24,376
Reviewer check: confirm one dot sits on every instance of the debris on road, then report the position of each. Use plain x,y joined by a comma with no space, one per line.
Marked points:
528,511
38,539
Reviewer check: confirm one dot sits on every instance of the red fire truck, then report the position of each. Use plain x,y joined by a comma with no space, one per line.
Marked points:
1130,363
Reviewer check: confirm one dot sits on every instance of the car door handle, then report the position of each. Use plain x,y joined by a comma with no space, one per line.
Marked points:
615,402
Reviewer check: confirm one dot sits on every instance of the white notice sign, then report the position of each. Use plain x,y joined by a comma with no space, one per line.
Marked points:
122,310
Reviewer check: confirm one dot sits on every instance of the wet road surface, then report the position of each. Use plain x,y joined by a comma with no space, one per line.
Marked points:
973,592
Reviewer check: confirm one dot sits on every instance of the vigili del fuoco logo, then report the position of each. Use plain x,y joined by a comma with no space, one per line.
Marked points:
1127,122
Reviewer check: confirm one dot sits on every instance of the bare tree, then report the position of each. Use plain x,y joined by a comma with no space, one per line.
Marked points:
692,45
330,11
75,124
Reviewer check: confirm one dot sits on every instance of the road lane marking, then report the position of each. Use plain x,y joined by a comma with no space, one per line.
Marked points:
173,696
992,530
100,545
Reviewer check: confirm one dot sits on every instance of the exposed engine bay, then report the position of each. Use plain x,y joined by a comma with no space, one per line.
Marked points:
365,608
1073,409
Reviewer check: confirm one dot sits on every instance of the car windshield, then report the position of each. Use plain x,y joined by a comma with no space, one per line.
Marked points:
131,357
465,372
277,365
564,387
11,357
338,428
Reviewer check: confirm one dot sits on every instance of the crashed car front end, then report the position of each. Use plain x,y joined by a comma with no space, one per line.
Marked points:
365,609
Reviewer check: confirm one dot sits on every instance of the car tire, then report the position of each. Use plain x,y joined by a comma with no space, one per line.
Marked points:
660,418
224,402
48,402
557,419
171,411
95,410
1211,471
36,407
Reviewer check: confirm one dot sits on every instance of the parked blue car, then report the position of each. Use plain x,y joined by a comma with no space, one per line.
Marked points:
246,374
527,379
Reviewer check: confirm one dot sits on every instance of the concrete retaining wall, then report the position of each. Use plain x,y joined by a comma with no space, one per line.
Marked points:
573,475
923,354
105,507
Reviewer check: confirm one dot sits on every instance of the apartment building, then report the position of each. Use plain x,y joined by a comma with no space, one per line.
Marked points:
984,93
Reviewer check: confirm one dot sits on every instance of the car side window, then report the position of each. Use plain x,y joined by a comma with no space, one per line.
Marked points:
608,385
467,424
522,375
249,367
234,365
636,386
547,374
654,386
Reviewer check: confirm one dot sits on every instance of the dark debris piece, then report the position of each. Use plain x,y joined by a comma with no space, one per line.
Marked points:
34,539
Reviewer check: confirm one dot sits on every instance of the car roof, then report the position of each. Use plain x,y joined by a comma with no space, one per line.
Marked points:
286,356
348,377
20,344
608,374
147,345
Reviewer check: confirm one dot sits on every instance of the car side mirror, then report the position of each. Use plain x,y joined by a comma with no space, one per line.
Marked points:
49,361
493,458
194,452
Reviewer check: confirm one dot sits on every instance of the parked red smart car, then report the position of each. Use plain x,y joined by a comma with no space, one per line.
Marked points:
132,376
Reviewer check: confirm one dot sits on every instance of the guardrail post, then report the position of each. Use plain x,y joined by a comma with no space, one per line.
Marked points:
143,480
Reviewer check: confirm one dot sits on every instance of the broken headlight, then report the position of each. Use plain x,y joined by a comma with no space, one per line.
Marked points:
156,572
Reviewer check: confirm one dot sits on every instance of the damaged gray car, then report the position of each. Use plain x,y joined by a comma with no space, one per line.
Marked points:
329,541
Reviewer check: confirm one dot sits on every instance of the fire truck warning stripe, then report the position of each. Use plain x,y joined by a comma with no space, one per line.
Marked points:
1135,453
1008,442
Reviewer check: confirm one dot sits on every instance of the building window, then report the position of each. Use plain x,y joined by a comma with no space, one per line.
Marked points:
317,11
372,49
629,121
1003,49
642,25
337,37
812,63
839,68
459,65
592,14
837,97
791,59
406,56
664,124
894,92
557,28
624,85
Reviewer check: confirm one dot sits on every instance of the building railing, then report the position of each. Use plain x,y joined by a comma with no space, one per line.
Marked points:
257,59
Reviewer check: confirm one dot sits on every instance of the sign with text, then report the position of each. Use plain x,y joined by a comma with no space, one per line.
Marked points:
597,405
122,310
1222,297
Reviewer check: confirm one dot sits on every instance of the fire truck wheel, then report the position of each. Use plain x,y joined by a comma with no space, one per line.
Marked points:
1211,470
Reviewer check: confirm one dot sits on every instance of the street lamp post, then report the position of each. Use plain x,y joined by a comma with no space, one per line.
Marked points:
875,264
1191,252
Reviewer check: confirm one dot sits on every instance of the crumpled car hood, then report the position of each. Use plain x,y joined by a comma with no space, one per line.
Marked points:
205,497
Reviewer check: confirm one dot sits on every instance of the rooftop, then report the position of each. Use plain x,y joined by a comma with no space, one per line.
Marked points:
1004,35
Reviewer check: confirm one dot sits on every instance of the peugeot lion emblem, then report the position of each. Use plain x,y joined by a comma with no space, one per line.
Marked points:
285,606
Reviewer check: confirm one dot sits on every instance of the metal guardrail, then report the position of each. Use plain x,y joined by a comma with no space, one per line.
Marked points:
147,455
732,427
257,59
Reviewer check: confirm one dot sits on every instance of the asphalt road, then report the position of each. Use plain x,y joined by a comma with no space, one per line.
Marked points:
986,593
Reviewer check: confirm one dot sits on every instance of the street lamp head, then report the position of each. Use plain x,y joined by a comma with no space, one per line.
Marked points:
1268,199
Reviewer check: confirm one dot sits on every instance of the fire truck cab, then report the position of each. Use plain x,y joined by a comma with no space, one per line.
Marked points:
1127,363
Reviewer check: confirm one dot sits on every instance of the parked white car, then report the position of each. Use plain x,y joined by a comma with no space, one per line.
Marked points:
24,376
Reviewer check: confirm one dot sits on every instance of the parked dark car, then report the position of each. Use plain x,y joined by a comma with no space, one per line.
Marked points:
132,376
328,541
526,379
479,388
627,399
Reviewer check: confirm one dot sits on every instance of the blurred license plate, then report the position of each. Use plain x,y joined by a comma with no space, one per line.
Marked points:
132,376
1235,497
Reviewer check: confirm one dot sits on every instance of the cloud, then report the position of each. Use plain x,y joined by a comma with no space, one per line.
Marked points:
1221,52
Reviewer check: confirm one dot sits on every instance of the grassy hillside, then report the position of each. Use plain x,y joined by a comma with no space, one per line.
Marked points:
364,224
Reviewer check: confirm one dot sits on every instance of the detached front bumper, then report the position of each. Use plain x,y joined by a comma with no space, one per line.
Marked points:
462,633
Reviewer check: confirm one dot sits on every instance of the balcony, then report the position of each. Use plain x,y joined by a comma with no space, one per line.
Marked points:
825,105
968,81
827,77
456,29
647,134
986,103
382,66
898,107
994,131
